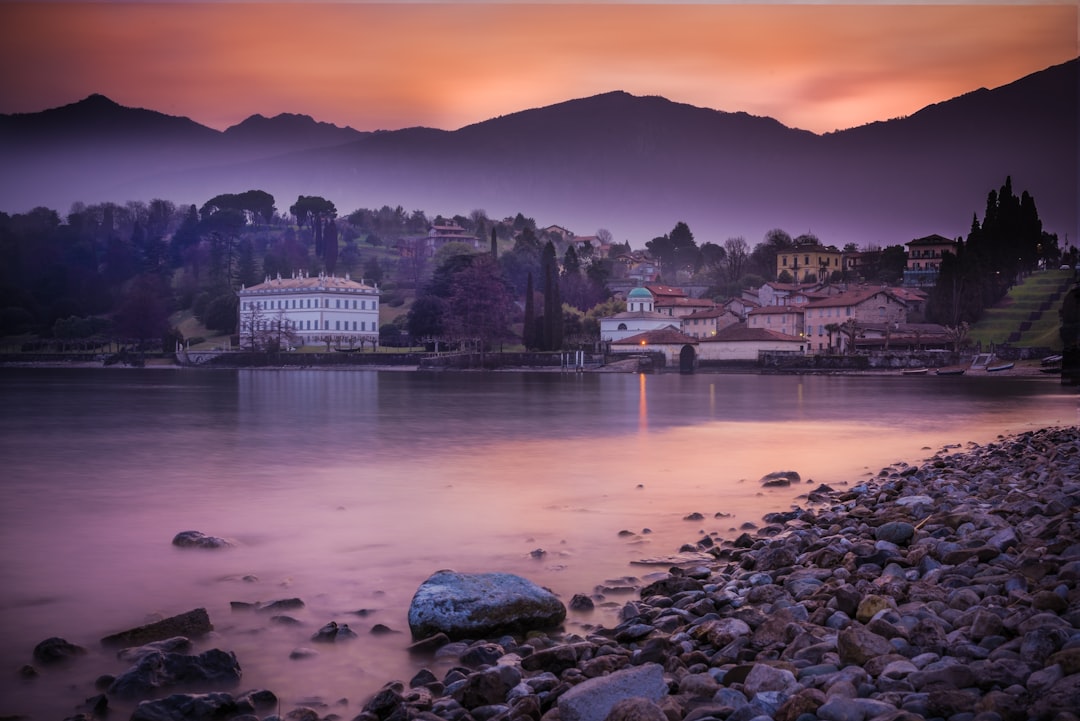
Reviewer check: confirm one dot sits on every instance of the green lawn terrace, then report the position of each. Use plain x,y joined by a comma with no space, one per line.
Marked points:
1028,315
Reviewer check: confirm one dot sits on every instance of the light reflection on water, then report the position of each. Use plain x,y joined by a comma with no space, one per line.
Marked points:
348,488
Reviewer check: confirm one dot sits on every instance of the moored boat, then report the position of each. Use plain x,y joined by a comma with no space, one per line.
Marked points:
1002,367
950,371
915,371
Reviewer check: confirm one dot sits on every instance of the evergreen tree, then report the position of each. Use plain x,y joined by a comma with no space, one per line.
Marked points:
553,331
528,336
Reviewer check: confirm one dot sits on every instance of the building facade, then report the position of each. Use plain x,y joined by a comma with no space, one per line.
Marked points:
828,323
804,261
640,316
924,260
308,311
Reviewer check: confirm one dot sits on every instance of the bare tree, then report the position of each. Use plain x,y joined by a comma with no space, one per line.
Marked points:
736,250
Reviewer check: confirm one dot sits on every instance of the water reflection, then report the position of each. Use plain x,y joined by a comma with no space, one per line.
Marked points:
349,488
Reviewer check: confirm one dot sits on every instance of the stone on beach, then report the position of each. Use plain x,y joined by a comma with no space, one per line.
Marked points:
192,624
56,649
198,539
780,479
158,669
463,605
593,700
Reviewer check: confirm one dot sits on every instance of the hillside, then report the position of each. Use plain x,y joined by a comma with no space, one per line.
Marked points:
1028,315
635,165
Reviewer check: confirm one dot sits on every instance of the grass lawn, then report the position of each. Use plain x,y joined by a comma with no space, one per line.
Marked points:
1018,306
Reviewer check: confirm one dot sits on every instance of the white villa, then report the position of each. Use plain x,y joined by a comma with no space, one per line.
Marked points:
310,310
640,316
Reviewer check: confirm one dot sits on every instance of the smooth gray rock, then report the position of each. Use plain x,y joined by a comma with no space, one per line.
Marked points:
56,649
464,605
190,625
593,700
156,670
198,539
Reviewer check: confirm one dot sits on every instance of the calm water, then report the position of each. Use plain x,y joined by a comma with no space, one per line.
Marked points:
348,488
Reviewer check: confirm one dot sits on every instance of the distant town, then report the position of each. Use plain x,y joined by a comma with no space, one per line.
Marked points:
237,274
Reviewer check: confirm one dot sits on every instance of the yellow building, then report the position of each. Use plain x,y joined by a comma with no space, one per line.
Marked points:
804,261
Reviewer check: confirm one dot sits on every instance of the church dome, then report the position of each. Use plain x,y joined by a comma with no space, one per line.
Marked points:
639,294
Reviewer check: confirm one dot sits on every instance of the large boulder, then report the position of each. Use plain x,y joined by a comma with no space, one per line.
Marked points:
156,670
464,605
203,707
594,699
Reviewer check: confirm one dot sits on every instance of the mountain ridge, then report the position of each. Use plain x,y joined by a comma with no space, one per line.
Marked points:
634,164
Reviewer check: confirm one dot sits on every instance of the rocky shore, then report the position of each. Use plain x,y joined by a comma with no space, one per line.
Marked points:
944,590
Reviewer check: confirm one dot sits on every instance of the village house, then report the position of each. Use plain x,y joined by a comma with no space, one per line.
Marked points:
790,293
742,306
903,337
824,320
739,343
809,259
674,302
449,232
784,319
636,266
706,323
640,316
309,310
924,260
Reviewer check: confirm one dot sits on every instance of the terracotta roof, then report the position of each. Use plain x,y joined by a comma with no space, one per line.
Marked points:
661,336
776,310
741,334
684,302
714,312
666,290
934,239
850,298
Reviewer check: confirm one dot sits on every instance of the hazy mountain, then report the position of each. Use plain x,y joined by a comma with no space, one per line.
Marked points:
635,165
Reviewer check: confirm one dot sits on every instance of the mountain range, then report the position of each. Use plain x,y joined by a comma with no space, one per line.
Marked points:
635,165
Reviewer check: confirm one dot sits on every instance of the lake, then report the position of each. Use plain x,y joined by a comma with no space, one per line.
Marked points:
348,488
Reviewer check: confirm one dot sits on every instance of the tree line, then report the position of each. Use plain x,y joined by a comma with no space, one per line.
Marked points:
110,270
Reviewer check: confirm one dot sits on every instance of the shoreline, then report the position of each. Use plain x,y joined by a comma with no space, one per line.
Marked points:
951,585
1021,369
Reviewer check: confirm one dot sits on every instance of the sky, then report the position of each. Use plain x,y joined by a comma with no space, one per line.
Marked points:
370,65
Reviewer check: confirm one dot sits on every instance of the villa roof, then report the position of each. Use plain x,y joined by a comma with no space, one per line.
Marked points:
666,291
776,310
852,297
713,312
677,302
741,334
306,282
661,336
934,239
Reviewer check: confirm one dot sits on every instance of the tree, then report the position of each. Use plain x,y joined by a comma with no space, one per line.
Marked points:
314,211
553,331
528,337
662,250
144,311
735,250
479,306
685,253
427,318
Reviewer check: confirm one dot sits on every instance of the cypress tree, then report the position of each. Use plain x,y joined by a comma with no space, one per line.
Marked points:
494,246
528,334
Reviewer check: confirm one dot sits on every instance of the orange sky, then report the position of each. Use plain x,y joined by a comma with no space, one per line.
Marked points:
448,64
